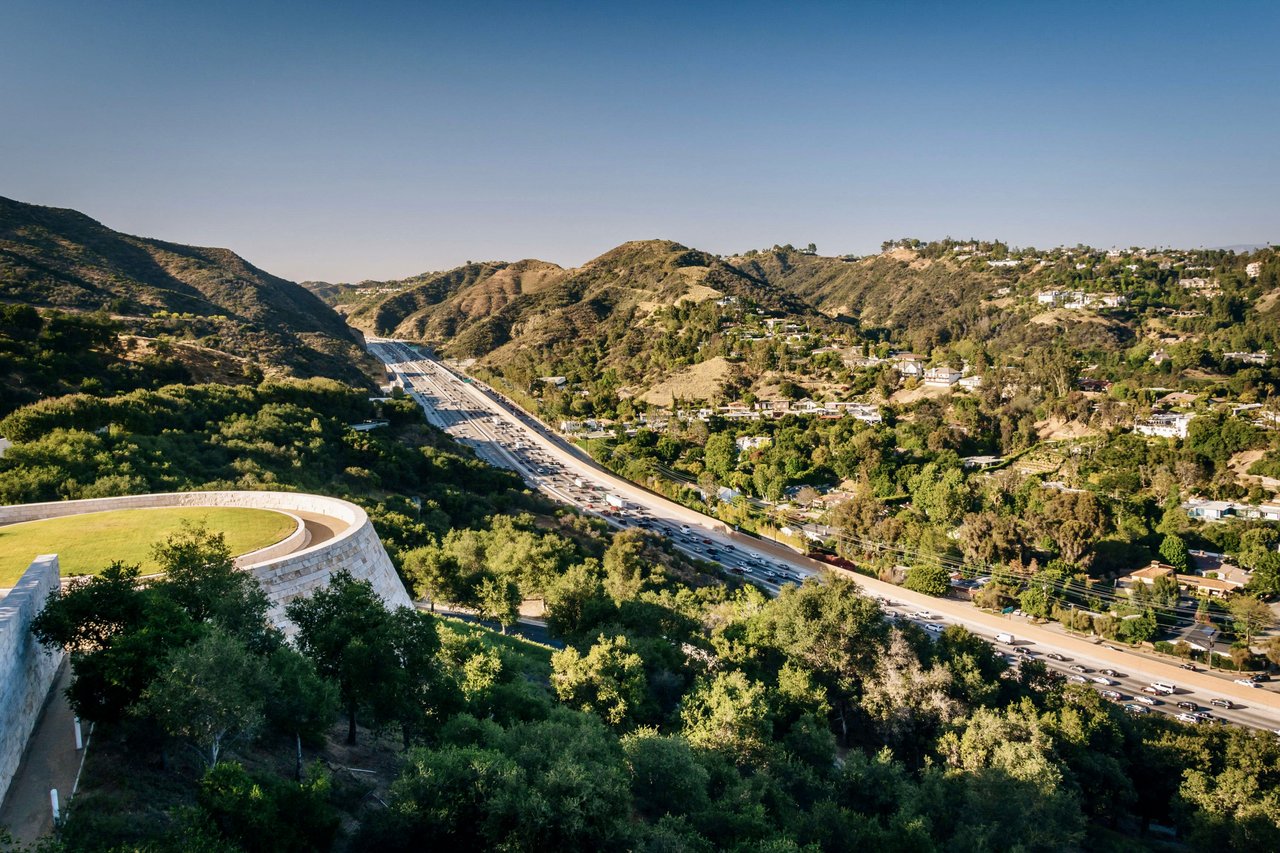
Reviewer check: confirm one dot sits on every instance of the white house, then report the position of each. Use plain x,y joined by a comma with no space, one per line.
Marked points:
908,363
751,442
1164,425
941,377
1254,269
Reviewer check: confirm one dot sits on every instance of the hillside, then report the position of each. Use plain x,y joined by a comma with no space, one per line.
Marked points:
204,310
898,290
532,317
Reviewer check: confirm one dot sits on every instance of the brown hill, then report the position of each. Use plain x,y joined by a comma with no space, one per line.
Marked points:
209,298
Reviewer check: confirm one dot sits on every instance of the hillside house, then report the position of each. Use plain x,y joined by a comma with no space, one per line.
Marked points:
941,377
1259,359
1207,510
908,364
751,442
1164,425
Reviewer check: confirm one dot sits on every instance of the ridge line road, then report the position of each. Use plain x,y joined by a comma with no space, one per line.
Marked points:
504,435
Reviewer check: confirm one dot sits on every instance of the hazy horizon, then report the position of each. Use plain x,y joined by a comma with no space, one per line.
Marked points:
377,141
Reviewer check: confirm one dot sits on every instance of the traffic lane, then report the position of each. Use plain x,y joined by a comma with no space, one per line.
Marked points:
1129,687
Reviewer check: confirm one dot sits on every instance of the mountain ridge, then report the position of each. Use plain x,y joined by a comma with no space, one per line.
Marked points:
62,260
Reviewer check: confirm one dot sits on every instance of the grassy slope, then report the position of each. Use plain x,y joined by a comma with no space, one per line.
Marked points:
84,543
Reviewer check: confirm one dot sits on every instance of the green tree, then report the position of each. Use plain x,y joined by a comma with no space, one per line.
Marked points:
345,630
299,702
1250,616
498,600
263,814
608,680
720,455
625,567
1174,552
1035,601
666,777
209,693
431,572
928,578
729,712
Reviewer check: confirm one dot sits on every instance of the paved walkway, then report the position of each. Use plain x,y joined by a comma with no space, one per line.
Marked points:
51,761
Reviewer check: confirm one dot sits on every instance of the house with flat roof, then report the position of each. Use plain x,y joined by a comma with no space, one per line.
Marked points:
1164,425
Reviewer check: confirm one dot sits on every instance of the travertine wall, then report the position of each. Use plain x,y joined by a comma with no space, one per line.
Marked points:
355,545
27,669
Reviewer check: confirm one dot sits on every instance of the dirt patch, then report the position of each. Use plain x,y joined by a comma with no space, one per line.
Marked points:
1239,465
703,381
1059,316
904,396
1056,429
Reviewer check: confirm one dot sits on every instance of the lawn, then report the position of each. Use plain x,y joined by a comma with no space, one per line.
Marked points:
86,544
532,659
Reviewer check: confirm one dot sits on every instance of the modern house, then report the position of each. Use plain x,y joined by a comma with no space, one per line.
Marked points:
1164,425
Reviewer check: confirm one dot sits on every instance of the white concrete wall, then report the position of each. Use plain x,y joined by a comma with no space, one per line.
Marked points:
354,547
27,669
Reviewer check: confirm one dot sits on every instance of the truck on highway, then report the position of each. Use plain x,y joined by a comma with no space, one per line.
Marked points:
615,501
1007,639
579,482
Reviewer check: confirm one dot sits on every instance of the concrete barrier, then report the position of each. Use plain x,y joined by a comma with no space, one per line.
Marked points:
27,669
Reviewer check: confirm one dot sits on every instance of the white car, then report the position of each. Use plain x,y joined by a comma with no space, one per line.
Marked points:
1103,680
1245,682
1189,718
934,627
1148,700
1078,679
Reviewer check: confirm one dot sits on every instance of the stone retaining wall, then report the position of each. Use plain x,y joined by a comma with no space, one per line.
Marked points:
27,669
295,541
355,546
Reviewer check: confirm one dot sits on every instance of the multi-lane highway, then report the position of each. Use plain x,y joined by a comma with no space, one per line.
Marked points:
505,435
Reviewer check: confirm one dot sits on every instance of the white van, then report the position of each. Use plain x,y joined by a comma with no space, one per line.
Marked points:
1161,687
1007,639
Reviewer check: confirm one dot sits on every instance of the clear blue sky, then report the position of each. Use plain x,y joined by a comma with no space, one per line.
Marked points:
379,139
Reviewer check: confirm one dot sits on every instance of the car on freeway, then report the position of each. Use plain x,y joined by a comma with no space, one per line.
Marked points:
1102,679
1188,666
1188,706
1055,656
1148,700
934,627
1246,682
1110,672
1079,668
1078,679
1219,702
1137,709
1189,718
1111,694
922,614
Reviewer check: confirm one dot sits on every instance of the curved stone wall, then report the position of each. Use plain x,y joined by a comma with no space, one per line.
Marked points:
285,576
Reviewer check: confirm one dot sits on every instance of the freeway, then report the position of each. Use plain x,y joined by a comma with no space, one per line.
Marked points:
507,436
